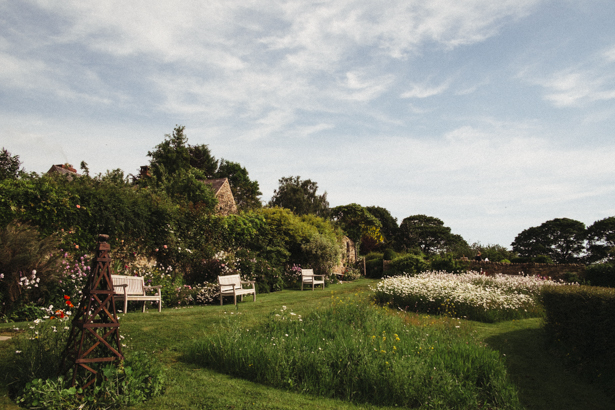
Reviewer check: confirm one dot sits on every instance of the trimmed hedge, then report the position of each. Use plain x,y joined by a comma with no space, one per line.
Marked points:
580,323
602,274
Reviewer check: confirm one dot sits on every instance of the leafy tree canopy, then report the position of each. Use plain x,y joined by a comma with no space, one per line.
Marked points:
428,234
9,165
390,228
171,155
357,222
300,197
562,239
601,240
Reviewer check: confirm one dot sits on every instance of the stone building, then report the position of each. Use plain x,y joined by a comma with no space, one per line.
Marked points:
224,195
64,169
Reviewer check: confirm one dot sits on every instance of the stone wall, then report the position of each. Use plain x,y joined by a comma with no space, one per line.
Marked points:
554,271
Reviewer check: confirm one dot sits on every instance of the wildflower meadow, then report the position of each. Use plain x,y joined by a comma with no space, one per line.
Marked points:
470,295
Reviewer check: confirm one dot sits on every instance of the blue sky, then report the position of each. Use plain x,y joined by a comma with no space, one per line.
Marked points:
493,116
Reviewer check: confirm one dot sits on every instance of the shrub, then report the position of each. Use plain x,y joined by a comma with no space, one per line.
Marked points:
408,264
28,267
448,264
389,254
580,323
374,268
602,274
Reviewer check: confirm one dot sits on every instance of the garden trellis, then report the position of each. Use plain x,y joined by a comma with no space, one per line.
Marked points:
95,335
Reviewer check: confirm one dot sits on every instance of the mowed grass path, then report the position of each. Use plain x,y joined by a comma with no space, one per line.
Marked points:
542,381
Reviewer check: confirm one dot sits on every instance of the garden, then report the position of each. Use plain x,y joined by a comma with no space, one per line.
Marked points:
345,347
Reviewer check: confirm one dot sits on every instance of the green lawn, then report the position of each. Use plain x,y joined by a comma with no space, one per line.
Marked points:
542,381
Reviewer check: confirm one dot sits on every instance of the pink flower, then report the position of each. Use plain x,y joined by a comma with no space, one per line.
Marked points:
76,246
156,249
164,246
78,206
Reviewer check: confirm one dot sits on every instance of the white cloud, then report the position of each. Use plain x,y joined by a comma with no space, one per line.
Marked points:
424,91
589,81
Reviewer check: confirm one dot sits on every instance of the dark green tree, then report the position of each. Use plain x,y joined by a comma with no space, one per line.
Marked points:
300,197
9,165
390,228
245,191
171,155
601,241
427,234
201,158
562,239
357,222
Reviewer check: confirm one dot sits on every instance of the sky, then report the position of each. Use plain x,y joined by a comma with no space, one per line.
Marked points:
494,116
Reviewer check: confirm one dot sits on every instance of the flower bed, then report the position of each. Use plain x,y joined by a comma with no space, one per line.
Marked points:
469,295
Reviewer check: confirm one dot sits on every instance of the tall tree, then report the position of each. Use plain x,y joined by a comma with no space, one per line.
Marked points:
201,158
390,228
9,165
601,240
171,155
245,191
428,234
562,239
357,222
300,197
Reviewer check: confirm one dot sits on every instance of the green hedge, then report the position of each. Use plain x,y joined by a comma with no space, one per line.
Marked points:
580,323
408,264
602,274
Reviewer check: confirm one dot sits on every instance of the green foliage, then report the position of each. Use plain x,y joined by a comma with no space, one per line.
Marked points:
300,197
389,254
408,264
428,234
446,263
580,323
601,240
28,269
374,268
171,155
602,274
358,353
357,222
562,239
389,227
9,165
323,253
201,159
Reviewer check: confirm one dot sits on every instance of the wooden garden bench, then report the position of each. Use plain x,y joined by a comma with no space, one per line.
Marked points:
132,288
232,285
307,276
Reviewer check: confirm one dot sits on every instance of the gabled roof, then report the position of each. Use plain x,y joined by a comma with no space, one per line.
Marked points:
216,184
64,169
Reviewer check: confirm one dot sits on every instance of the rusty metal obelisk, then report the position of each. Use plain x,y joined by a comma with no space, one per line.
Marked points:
95,334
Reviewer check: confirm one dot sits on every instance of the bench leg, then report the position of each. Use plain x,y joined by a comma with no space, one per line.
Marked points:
235,299
220,298
125,304
159,305
143,306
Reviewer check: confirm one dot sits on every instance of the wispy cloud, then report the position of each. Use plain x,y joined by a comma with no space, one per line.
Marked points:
590,81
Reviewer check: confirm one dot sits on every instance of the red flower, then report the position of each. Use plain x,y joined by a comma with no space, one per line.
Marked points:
66,297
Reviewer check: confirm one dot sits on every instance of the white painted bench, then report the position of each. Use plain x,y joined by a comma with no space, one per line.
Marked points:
307,276
232,285
133,289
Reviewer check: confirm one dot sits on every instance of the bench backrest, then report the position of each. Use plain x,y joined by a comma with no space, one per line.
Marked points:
135,284
307,272
227,281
